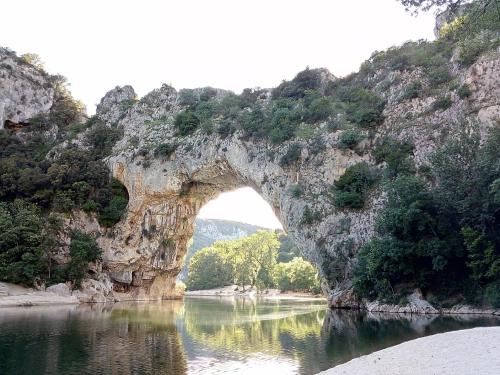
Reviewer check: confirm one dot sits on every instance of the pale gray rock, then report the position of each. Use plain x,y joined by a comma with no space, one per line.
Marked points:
25,91
60,289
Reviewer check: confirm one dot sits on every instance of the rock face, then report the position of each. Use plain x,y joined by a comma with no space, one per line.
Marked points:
145,252
25,91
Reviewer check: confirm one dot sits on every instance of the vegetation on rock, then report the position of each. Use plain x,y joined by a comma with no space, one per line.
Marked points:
440,235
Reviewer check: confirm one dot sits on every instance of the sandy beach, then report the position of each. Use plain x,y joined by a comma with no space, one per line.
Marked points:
466,352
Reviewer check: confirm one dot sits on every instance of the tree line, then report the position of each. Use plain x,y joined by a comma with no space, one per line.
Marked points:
250,261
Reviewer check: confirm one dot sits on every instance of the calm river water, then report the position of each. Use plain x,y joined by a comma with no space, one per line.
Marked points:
202,336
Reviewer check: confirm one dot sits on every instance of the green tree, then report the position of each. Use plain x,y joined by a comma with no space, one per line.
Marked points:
298,275
20,242
83,249
210,268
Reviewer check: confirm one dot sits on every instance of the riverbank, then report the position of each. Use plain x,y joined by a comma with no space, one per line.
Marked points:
12,295
234,291
467,352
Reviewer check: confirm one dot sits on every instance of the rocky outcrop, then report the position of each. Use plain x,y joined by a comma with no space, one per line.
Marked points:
25,90
145,251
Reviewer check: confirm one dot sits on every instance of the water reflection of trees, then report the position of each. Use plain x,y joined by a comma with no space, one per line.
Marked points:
122,340
245,326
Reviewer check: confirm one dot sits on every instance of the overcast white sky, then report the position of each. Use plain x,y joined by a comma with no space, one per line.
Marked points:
231,44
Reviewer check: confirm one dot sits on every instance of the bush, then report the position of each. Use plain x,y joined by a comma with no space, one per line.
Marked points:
441,238
364,108
186,122
164,150
208,269
412,91
296,191
442,103
292,155
397,156
471,48
319,110
188,97
308,217
114,203
308,79
350,199
225,129
464,92
439,74
351,187
349,139
492,294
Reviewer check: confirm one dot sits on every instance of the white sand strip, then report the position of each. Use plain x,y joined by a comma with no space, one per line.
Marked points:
467,352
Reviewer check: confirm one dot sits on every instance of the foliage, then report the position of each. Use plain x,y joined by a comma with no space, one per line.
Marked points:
83,249
464,91
444,238
474,46
319,110
363,107
188,97
20,242
349,139
308,217
298,275
251,261
308,79
186,122
210,268
442,103
29,244
396,156
352,186
113,211
164,150
412,91
292,155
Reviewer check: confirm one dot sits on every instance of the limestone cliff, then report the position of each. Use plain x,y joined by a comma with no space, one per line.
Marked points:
166,193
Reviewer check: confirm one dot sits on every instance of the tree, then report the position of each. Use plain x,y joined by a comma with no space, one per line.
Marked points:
83,249
20,242
425,5
254,257
298,275
210,267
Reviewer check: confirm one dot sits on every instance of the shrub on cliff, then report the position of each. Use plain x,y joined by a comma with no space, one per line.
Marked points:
186,122
291,156
363,107
351,187
349,139
308,79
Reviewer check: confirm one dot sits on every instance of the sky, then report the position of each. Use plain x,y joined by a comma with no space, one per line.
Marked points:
231,44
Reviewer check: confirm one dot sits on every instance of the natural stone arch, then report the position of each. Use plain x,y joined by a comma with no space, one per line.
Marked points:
145,251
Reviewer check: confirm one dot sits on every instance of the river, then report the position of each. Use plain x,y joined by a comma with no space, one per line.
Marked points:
203,336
